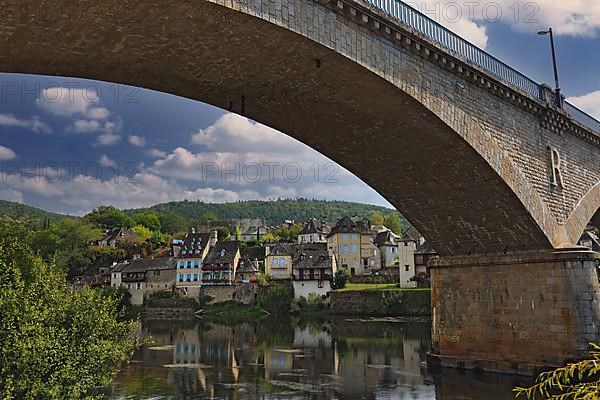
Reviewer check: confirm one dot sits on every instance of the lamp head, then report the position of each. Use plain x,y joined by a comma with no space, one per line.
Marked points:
542,33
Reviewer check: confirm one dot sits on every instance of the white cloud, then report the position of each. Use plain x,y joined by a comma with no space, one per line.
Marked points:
11,195
34,123
94,126
137,141
67,102
589,103
107,139
107,162
6,153
157,153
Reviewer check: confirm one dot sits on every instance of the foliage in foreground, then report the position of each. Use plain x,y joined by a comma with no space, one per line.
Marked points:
56,343
577,381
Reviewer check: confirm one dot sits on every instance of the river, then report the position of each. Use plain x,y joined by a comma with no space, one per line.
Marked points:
283,359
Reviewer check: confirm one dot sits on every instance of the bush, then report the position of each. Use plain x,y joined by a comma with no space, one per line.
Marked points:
276,299
340,279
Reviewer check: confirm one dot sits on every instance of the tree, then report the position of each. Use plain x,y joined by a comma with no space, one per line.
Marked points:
56,343
108,217
223,233
171,222
577,381
143,232
377,218
269,238
277,299
148,219
392,221
340,278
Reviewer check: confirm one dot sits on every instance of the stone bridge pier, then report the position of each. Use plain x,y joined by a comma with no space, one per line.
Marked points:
514,313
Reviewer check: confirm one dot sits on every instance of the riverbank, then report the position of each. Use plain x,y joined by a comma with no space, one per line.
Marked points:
381,301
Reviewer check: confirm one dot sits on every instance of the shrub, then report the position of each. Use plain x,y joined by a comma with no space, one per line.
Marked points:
276,299
340,278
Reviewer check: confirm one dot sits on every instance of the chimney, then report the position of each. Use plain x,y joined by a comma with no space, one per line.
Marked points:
213,238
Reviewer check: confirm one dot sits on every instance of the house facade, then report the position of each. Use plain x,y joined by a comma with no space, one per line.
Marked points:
312,271
115,236
278,261
192,252
352,244
144,276
397,256
313,231
220,264
247,271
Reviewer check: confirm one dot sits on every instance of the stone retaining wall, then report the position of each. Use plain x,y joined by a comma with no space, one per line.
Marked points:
394,303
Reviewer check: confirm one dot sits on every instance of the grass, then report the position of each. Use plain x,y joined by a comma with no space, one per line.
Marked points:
373,287
231,312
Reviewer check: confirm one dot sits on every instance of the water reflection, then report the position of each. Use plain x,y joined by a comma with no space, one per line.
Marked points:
341,359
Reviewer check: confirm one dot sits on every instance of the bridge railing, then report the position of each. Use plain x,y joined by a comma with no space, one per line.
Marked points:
473,54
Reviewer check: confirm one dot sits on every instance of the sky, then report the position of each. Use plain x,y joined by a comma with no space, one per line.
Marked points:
69,145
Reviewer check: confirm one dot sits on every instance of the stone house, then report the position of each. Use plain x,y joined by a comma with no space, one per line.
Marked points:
423,254
312,271
116,236
352,244
278,261
144,276
247,271
397,256
220,264
314,231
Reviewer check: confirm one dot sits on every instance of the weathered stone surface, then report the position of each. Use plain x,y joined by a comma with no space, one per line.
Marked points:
410,303
460,154
531,308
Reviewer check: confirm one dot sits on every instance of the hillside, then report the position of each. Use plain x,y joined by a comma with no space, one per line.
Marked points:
272,211
28,214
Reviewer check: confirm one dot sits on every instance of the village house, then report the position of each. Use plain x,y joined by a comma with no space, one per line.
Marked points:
278,261
312,271
423,254
352,244
397,256
116,236
192,252
144,276
220,264
247,271
314,231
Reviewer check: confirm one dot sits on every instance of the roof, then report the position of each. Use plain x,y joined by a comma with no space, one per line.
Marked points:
425,248
411,234
245,265
386,238
113,233
312,259
313,226
194,241
279,249
347,225
146,264
590,236
222,252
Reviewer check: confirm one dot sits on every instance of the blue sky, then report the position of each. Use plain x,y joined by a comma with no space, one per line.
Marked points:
69,145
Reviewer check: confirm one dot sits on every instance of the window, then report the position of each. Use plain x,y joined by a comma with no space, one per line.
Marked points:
188,277
195,277
344,236
354,248
281,262
190,263
320,284
355,236
407,268
275,262
180,277
345,248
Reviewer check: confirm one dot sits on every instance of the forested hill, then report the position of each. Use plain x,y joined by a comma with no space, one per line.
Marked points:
27,213
272,211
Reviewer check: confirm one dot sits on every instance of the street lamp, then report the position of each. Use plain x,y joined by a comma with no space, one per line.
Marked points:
557,90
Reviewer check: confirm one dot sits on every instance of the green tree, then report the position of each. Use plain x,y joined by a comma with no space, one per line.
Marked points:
392,221
148,219
108,217
143,232
223,233
56,343
377,218
340,278
277,299
172,223
577,381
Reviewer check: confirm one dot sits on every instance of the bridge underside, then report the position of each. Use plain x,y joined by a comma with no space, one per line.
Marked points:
388,138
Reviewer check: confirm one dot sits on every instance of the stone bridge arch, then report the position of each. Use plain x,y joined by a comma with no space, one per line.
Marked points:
407,119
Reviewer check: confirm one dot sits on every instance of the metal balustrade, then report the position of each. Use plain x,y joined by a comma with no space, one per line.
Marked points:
472,54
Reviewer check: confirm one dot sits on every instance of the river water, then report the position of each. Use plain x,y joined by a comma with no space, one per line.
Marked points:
284,359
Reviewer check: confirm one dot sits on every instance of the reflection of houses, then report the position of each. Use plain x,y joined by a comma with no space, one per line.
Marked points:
278,261
116,236
192,252
314,231
352,244
220,264
312,271
144,276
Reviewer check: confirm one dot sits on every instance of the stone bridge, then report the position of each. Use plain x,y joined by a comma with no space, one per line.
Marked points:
475,155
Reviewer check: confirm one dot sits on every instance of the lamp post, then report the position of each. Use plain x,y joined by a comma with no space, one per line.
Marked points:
557,90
